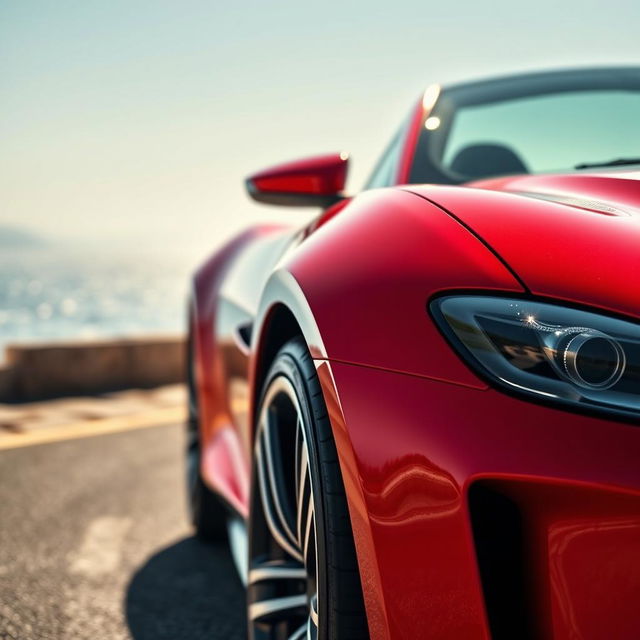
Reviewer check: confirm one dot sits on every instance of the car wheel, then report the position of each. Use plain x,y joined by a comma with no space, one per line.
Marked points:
208,515
303,577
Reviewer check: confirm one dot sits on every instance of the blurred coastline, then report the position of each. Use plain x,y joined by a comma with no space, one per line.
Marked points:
58,291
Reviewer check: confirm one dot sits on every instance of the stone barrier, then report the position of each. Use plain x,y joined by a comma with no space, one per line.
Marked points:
47,370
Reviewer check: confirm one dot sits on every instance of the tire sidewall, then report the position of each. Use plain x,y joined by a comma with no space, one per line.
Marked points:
289,366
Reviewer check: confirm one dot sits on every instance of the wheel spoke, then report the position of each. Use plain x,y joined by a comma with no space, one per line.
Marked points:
301,459
308,529
277,608
275,479
312,629
313,610
302,481
299,633
267,496
283,593
276,572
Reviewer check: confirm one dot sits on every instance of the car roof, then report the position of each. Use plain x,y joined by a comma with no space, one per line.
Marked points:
575,79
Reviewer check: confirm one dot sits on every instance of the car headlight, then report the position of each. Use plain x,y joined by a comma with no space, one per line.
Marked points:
553,352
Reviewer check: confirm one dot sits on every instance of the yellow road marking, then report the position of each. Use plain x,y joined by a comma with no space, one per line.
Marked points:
89,428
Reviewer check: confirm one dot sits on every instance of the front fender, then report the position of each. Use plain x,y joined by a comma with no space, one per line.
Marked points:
358,288
359,285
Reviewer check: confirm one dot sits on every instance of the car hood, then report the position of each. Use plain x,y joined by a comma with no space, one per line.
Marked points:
574,237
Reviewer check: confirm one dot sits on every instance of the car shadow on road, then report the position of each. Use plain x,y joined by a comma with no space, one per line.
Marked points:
188,590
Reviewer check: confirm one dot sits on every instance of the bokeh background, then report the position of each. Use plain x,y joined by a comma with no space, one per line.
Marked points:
127,126
126,130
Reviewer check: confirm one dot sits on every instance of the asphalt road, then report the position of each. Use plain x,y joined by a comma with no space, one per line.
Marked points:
94,543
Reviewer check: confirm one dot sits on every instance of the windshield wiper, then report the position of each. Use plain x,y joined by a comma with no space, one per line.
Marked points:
618,162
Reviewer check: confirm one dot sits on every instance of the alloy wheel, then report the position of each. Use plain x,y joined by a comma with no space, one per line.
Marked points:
283,573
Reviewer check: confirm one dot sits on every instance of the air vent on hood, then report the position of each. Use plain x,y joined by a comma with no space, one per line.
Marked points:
572,201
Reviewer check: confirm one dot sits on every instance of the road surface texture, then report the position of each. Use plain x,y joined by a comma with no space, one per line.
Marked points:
94,543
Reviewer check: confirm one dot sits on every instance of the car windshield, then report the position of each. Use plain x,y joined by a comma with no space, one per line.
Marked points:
484,131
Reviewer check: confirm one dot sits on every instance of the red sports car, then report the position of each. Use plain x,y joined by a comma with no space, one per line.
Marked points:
416,416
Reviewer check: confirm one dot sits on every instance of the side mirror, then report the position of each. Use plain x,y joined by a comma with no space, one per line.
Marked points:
313,182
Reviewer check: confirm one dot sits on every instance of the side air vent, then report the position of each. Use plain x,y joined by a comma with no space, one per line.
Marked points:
498,535
242,337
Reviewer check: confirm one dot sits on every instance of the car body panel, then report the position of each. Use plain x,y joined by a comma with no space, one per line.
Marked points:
614,192
412,132
411,448
411,250
418,433
559,249
408,494
225,296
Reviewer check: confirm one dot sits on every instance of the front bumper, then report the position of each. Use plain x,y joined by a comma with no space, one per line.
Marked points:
479,515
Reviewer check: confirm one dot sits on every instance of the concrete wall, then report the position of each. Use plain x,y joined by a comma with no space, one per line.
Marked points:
38,371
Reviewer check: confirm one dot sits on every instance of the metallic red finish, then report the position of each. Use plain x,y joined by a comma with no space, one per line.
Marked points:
413,447
326,215
318,176
417,432
569,523
564,251
225,459
615,193
398,250
416,122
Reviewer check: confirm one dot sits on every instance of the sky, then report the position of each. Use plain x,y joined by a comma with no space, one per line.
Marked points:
126,122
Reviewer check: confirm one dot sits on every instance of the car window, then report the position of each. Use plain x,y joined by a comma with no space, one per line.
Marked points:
552,132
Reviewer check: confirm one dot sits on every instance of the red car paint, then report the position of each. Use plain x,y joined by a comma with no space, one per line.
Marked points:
320,176
411,448
564,251
224,460
416,122
411,135
416,430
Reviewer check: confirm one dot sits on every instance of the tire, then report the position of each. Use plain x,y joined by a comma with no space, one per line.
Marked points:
303,580
207,512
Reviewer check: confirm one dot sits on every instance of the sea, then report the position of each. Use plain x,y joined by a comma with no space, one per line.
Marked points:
56,293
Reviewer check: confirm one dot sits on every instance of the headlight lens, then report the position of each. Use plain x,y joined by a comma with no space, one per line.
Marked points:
554,352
